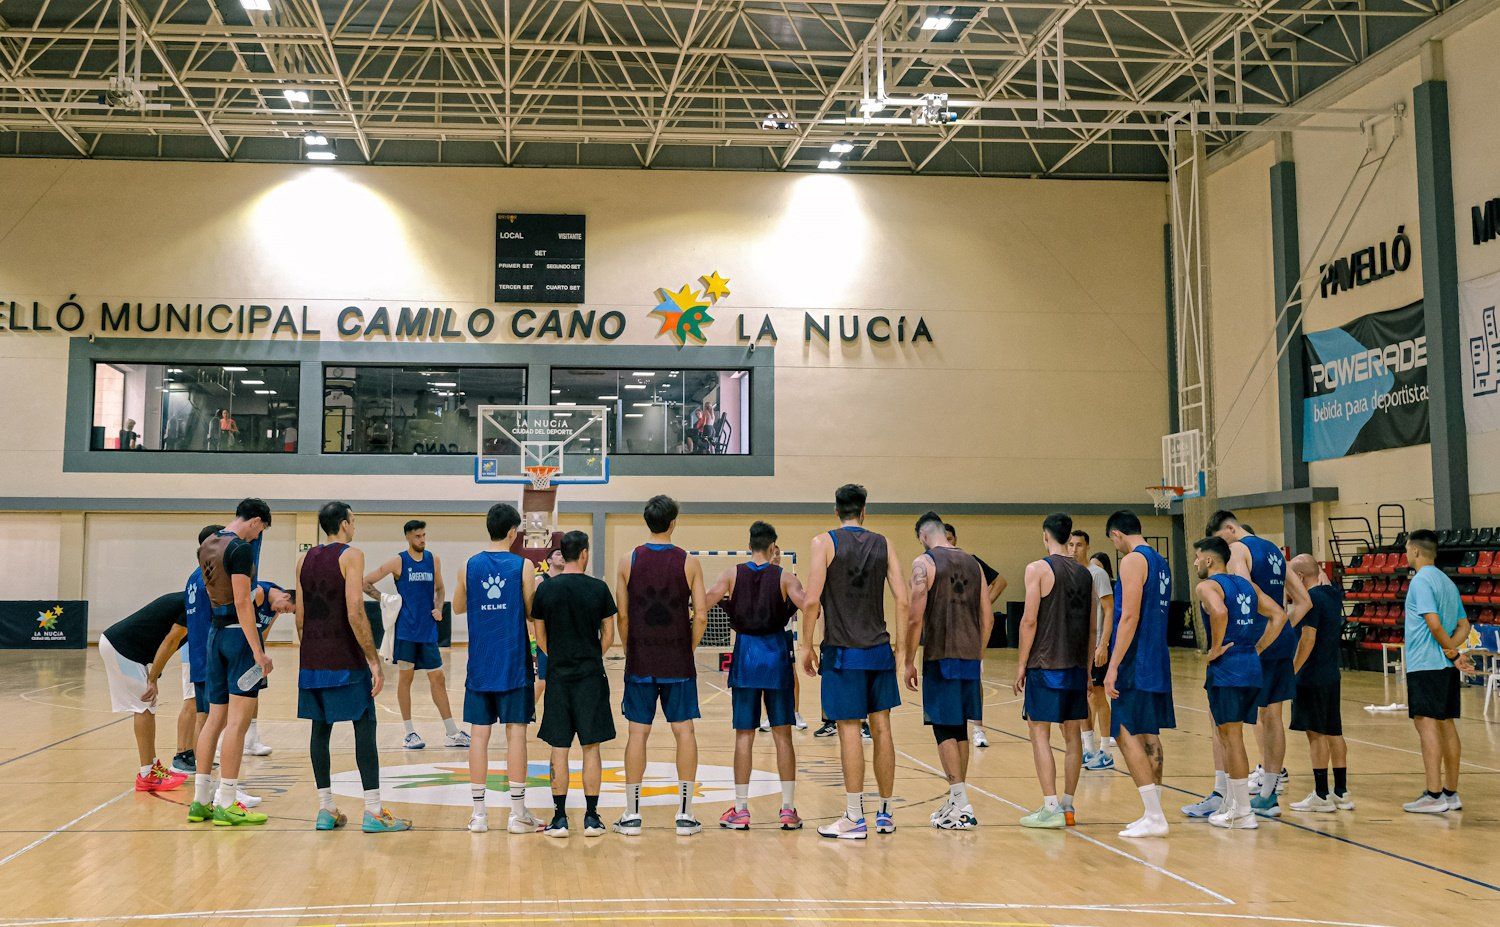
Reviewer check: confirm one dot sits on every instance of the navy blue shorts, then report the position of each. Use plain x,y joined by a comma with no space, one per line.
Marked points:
541,665
780,707
229,657
855,694
1278,682
511,706
200,697
1041,702
350,702
949,702
420,656
1141,712
1228,704
679,701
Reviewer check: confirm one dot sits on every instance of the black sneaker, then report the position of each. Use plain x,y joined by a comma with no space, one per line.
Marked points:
558,827
864,729
593,825
827,730
184,762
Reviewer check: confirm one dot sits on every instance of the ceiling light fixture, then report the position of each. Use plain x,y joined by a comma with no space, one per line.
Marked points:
256,6
316,139
295,96
829,164
936,23
320,155
841,147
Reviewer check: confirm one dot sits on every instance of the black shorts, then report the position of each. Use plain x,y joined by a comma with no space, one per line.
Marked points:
1433,694
1315,709
577,708
1098,673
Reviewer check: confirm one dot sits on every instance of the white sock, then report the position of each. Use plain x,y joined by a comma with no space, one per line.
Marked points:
789,793
1050,803
633,799
477,795
1151,798
685,798
1268,786
227,788
372,801
1090,741
325,800
885,804
1221,781
741,796
146,770
252,733
1109,744
854,806
1239,793
450,726
203,787
1067,803
411,727
518,801
958,794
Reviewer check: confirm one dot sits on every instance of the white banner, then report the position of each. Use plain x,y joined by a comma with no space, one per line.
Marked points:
1479,331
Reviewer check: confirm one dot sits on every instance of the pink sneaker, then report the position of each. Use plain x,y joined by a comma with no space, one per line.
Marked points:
790,820
734,819
158,780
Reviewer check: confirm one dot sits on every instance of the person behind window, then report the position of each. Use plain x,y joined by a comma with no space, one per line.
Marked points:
228,431
129,439
289,439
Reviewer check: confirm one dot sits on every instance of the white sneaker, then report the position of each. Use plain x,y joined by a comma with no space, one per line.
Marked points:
629,825
957,819
1146,827
979,739
479,823
524,823
941,813
687,825
1426,804
1231,818
845,829
765,726
1454,804
413,741
246,799
1313,803
257,749
1344,800
799,722
456,739
1259,776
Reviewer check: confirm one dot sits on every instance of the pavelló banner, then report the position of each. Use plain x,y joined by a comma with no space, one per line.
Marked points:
44,624
1366,385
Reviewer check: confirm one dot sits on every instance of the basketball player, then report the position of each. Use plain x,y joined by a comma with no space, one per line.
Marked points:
552,566
995,585
128,648
1096,739
1436,626
849,570
762,598
1315,707
1139,678
341,673
195,655
1056,648
227,559
495,590
659,590
574,617
419,582
950,619
271,601
1283,601
1236,633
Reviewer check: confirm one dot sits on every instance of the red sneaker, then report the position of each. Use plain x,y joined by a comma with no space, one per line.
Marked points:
158,780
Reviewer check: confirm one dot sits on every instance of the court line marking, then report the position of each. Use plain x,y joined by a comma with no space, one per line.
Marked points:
57,830
63,741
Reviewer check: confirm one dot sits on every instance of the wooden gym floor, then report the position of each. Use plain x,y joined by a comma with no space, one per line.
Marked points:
78,845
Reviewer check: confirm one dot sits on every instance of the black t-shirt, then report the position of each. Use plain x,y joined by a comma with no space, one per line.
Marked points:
573,607
1327,617
990,575
137,636
239,560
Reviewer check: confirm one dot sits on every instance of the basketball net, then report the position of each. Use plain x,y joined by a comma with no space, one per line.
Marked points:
540,475
1162,497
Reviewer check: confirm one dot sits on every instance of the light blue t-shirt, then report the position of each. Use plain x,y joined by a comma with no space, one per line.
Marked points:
1431,591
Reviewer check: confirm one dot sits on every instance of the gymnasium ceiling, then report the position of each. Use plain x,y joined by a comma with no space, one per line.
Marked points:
670,83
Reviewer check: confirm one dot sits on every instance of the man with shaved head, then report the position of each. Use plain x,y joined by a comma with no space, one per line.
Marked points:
1315,706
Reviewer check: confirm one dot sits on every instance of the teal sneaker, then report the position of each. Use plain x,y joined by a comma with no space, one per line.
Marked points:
1044,817
331,820
1266,805
383,823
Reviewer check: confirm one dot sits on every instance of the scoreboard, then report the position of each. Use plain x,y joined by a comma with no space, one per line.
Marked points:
538,258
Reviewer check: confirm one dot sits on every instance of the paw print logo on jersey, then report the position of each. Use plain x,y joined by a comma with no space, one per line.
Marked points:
1245,602
958,584
1164,582
656,607
493,586
192,596
858,574
1276,565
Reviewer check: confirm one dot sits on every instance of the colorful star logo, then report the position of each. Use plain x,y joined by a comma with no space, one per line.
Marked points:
683,312
47,620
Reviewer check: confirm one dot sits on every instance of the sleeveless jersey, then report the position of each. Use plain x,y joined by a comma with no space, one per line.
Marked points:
216,579
1240,664
417,585
1268,573
499,645
853,596
1062,620
954,618
762,644
660,642
331,655
1146,665
199,620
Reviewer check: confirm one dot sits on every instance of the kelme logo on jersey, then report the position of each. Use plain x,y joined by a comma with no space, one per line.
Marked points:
448,784
683,312
493,586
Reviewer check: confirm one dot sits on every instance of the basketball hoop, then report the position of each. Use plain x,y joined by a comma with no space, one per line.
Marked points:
540,475
1163,496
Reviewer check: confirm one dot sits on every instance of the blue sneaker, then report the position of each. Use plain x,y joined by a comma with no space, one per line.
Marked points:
884,823
383,823
1266,806
1099,760
1204,808
331,820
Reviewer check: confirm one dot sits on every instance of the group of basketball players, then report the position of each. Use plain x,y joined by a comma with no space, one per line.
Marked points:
1090,650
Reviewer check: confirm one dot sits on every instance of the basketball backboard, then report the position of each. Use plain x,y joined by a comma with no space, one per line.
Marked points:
574,439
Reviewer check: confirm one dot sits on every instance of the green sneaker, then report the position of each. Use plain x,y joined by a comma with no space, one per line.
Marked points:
236,815
1043,817
198,812
383,823
331,820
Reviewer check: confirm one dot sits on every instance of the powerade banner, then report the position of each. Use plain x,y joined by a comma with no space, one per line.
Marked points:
1366,385
46,624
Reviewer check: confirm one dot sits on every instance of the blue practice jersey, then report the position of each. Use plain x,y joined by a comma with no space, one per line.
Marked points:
1268,573
199,620
499,646
1146,665
264,616
417,584
1240,664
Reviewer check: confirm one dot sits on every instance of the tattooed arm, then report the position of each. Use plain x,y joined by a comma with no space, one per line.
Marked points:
921,581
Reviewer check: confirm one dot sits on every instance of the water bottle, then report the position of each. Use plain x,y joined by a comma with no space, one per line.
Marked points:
251,678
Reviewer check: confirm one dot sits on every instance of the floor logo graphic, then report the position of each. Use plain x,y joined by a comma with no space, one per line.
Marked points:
448,784
683,312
